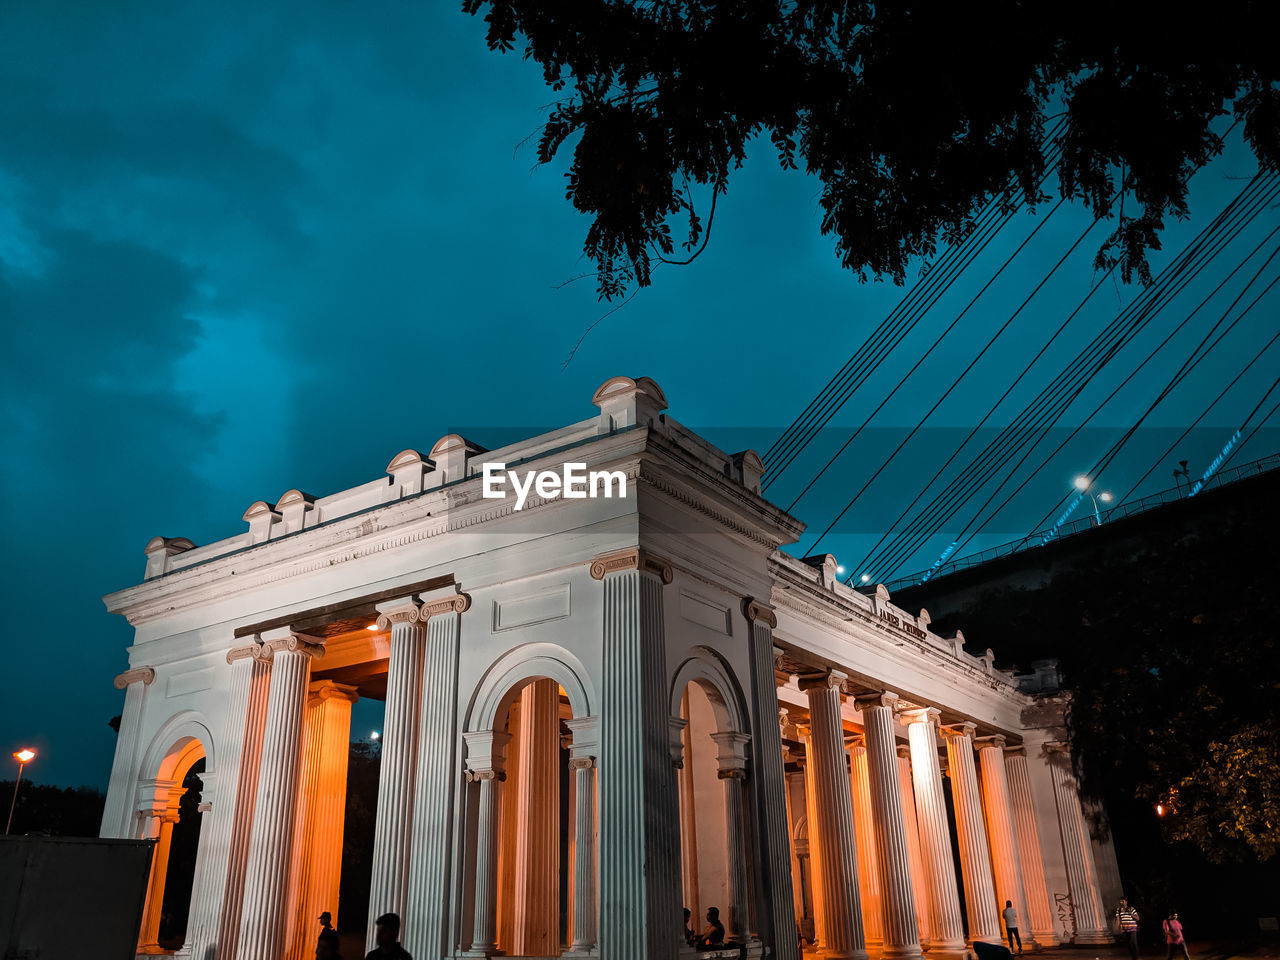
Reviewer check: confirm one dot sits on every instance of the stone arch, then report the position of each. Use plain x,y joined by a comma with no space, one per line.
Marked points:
173,748
182,741
707,668
517,668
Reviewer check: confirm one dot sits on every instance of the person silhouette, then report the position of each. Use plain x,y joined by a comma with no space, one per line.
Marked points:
387,937
713,936
1011,925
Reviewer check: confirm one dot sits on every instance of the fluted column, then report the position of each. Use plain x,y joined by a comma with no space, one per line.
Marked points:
864,830
833,806
116,813
319,857
397,770
898,902
816,872
1082,874
246,718
582,762
262,923
946,923
918,882
639,822
538,839
202,890
1024,815
485,769
424,929
975,857
1002,835
773,844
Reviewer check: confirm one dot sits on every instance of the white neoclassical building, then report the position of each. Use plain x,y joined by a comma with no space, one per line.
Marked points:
599,709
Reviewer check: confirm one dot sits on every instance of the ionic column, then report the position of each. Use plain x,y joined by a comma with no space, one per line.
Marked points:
639,822
688,814
731,768
397,773
485,754
898,904
262,922
159,815
1024,815
833,806
425,925
582,762
246,718
946,923
918,883
1082,874
1001,833
320,856
773,843
864,831
975,858
815,847
537,917
116,815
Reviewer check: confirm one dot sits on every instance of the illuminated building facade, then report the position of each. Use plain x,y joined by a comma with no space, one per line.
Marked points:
599,710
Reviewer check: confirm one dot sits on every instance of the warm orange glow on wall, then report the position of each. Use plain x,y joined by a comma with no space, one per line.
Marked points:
25,755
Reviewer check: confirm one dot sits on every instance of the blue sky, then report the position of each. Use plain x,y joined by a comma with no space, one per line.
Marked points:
250,247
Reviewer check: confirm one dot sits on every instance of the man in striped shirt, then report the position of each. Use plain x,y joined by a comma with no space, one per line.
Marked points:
1127,919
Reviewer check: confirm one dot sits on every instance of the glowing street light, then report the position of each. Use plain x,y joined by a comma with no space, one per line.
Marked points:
1083,483
23,756
840,569
375,735
866,578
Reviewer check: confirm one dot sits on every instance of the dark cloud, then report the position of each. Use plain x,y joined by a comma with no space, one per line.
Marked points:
247,247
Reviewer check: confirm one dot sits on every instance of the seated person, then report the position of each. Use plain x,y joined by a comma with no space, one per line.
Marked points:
713,937
690,935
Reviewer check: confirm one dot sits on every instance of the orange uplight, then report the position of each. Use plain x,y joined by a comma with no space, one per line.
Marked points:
372,626
1159,809
26,755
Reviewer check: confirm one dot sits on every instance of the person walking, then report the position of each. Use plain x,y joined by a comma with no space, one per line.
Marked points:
1011,926
1127,920
1173,937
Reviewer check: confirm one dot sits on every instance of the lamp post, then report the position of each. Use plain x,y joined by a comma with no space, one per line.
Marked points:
23,756
1083,484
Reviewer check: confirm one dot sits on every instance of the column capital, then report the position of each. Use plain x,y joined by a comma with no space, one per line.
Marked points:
1018,751
487,773
486,751
833,679
322,690
145,674
927,715
581,763
731,760
249,651
996,740
758,610
403,610
904,751
447,601
633,558
283,638
955,731
675,740
883,698
204,806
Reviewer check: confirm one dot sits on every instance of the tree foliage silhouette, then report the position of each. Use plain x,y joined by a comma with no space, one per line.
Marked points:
911,115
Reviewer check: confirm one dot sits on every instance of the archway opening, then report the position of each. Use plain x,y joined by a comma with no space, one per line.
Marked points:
714,858
169,821
535,849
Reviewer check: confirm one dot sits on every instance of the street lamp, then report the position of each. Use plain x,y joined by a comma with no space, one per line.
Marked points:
1083,484
23,756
